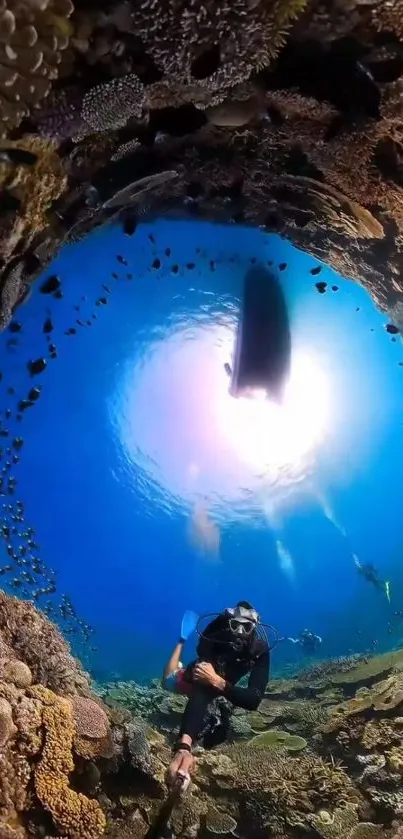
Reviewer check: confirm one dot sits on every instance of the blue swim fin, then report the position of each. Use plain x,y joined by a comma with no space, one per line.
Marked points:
189,623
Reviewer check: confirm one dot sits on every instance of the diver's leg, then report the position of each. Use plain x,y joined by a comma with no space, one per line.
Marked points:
195,711
192,723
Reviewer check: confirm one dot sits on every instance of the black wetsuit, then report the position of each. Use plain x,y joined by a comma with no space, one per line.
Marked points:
231,665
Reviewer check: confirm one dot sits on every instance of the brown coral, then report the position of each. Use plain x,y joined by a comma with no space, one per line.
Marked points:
39,643
7,727
32,40
387,15
16,672
219,822
380,733
73,814
281,791
373,668
210,45
90,718
336,825
92,737
28,719
34,187
15,775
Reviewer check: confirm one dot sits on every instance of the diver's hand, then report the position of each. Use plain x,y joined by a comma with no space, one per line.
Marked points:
204,673
182,764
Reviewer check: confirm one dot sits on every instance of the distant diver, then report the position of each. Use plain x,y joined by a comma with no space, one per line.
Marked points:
262,356
203,532
233,644
309,641
370,574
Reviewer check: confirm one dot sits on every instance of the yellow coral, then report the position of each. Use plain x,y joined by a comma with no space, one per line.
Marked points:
395,759
73,813
34,186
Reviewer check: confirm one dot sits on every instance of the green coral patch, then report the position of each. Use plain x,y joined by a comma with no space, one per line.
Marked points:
274,739
370,670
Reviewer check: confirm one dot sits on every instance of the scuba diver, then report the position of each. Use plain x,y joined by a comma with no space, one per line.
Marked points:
370,574
309,641
232,645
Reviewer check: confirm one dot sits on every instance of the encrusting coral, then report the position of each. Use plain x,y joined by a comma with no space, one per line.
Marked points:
73,813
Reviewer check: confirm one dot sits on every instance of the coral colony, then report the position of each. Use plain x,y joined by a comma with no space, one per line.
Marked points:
322,757
282,114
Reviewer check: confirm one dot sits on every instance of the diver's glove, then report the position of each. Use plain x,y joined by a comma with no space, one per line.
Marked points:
189,624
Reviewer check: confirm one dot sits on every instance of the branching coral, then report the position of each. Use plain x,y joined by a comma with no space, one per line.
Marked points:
110,105
213,45
32,40
281,790
40,645
73,814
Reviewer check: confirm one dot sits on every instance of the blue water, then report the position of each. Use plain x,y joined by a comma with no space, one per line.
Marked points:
134,430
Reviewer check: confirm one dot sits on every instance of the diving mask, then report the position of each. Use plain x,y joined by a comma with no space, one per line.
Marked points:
242,621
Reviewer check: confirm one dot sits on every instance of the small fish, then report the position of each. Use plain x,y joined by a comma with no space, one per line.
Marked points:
131,193
18,157
232,114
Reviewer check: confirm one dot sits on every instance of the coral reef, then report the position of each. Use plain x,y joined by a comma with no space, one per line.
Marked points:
297,103
35,641
75,765
283,114
42,713
33,38
275,790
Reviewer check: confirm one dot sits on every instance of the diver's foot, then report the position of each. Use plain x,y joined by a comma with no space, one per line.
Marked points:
182,763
